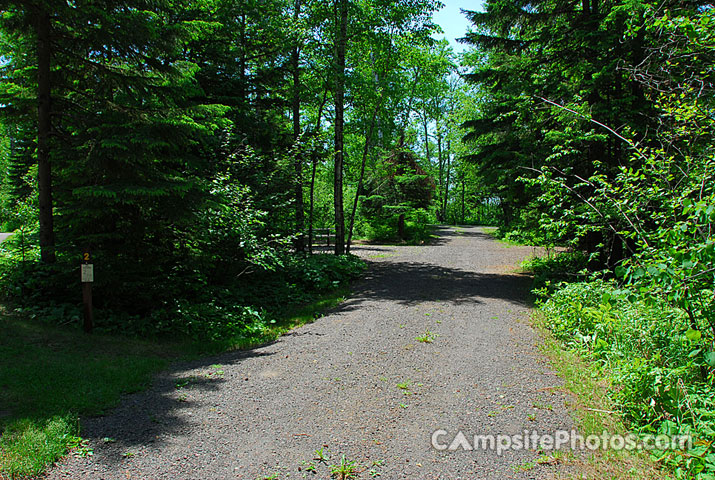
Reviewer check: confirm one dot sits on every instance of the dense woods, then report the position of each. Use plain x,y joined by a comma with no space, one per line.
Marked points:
195,148
200,149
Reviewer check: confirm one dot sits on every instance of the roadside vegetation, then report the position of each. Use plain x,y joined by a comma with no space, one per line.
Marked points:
615,165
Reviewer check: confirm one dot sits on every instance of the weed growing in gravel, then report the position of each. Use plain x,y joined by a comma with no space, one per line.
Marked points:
427,337
543,406
373,471
80,447
524,467
404,386
308,466
321,455
556,458
345,470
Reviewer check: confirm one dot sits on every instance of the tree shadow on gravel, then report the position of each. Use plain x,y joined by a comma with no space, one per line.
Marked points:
188,393
409,283
146,419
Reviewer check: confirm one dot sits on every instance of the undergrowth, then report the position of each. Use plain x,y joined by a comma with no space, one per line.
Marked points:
657,362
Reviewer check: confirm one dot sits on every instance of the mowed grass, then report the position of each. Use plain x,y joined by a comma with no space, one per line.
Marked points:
49,376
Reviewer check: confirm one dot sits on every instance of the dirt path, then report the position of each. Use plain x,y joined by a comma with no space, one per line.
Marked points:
357,383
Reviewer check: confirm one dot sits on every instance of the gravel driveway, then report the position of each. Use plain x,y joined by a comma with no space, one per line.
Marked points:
357,383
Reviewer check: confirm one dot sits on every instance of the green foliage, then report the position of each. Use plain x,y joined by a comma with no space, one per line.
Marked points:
427,337
398,203
172,159
550,271
660,367
553,75
652,336
323,272
345,470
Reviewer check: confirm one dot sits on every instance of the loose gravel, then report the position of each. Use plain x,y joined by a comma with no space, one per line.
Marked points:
357,383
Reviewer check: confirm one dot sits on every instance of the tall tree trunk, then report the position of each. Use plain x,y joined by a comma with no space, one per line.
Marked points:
440,161
44,127
446,184
424,122
401,227
312,202
340,44
463,187
299,216
315,167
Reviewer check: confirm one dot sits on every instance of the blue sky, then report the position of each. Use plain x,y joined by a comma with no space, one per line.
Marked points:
453,22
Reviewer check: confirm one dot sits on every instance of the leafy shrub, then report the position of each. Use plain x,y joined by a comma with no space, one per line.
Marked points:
323,272
382,224
553,269
661,368
218,316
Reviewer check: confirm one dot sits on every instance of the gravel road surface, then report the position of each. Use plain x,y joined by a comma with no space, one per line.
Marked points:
357,383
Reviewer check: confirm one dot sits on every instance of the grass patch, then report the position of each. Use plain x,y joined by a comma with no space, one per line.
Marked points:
590,409
27,446
49,376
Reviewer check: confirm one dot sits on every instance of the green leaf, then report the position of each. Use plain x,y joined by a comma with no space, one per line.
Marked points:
693,335
710,359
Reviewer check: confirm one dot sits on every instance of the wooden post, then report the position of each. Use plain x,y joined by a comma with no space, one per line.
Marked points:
87,300
87,272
